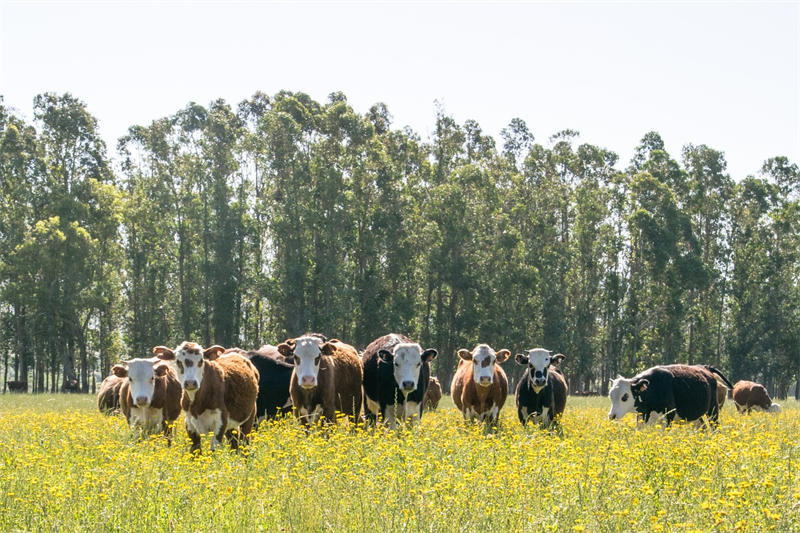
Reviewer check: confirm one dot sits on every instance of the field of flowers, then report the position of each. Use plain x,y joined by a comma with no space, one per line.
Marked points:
63,466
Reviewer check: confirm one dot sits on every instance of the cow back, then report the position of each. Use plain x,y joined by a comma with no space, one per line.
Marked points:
240,385
348,375
108,394
273,382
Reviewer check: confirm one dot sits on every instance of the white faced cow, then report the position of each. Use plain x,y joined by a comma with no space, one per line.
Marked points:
541,394
150,394
480,386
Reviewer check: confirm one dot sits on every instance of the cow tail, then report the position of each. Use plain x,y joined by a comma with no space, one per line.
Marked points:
720,374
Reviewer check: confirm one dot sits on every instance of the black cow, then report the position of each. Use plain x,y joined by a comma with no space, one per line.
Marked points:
396,375
688,392
275,374
541,394
17,386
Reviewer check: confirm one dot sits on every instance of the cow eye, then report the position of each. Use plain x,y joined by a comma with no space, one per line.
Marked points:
419,364
625,397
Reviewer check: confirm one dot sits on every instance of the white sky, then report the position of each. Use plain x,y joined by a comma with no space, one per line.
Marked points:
722,74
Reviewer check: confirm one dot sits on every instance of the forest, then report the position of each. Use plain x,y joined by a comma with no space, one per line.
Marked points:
248,224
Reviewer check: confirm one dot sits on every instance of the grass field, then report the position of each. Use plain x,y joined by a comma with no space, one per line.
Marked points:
63,466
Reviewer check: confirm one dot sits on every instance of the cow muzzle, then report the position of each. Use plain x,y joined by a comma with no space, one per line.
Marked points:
190,384
142,401
308,382
612,416
539,382
485,381
409,386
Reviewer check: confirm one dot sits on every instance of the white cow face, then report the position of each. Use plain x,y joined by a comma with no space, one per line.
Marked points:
483,360
622,396
774,408
306,352
407,358
190,359
538,361
141,374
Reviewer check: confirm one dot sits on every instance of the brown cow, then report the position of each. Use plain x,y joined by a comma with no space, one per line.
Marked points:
150,394
108,394
748,394
480,386
433,395
219,392
326,378
17,386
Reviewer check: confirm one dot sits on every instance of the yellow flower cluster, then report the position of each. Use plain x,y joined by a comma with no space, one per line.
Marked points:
67,467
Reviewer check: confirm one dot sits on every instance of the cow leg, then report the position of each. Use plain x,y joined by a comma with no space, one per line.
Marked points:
412,411
167,428
522,413
545,417
389,416
195,437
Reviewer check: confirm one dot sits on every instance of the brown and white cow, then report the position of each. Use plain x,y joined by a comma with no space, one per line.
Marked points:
219,392
108,394
748,394
327,378
433,395
480,386
149,395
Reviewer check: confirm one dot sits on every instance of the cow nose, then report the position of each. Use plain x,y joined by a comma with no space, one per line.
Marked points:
307,381
612,416
538,374
190,384
485,380
141,400
408,385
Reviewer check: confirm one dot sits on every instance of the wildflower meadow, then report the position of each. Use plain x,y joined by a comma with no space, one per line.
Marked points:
66,467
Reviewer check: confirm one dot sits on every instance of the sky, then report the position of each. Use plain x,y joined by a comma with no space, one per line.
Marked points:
724,74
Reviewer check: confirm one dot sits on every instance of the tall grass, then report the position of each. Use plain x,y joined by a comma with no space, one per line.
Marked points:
64,466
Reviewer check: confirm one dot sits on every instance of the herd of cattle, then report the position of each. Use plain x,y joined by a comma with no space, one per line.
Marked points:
227,392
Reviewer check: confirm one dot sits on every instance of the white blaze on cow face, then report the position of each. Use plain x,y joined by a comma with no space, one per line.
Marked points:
621,396
406,359
539,365
141,374
483,359
307,357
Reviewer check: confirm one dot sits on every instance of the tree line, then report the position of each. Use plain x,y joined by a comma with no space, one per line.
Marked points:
248,224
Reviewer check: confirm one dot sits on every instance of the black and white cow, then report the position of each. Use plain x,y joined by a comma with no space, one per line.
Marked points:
685,391
396,375
541,394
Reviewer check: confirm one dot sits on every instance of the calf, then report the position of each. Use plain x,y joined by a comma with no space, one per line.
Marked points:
433,395
327,378
688,392
480,386
219,393
541,394
275,375
108,394
149,395
17,386
396,376
748,394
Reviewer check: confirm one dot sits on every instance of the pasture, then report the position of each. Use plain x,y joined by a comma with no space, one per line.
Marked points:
64,466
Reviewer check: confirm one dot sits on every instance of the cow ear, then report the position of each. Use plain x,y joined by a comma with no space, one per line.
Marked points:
164,353
521,359
639,386
465,354
502,356
286,349
557,358
429,355
327,348
213,352
120,371
160,370
386,355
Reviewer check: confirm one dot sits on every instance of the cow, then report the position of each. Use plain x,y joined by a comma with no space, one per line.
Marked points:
17,386
686,391
327,378
70,385
149,395
480,386
396,375
108,394
433,395
219,392
541,394
748,394
275,374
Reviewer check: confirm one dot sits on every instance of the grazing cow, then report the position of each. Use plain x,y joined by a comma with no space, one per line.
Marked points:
327,378
17,386
219,392
275,375
150,394
480,386
688,392
70,385
748,394
396,376
541,394
108,394
433,395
